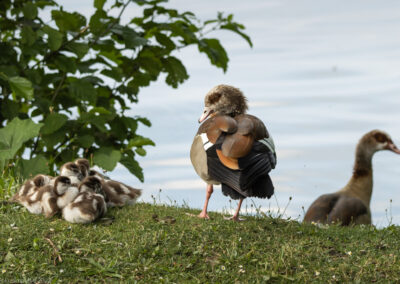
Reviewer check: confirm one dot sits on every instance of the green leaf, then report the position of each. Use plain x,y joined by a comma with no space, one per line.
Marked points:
21,87
130,123
144,120
15,134
65,64
30,168
139,141
30,10
9,109
107,158
55,38
215,52
53,122
68,21
28,36
85,141
54,138
98,4
131,38
83,90
97,120
140,151
133,166
237,29
115,73
165,41
176,71
79,48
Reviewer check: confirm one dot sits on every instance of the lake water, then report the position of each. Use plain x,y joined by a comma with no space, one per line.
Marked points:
320,75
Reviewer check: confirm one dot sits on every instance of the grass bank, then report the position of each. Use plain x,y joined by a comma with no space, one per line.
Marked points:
151,243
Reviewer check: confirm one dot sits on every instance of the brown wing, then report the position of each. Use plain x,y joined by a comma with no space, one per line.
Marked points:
238,144
219,124
338,208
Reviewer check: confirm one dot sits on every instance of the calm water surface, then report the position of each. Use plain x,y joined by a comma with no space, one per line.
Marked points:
320,75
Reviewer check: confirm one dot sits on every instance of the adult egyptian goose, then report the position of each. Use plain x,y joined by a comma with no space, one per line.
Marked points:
232,148
350,205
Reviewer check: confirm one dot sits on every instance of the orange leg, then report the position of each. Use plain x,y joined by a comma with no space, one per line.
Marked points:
209,191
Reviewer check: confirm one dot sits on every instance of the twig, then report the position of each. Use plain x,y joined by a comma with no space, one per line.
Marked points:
58,88
56,253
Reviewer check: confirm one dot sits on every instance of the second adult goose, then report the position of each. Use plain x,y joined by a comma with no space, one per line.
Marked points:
350,205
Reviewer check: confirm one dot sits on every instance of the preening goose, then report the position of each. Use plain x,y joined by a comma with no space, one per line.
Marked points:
350,205
232,148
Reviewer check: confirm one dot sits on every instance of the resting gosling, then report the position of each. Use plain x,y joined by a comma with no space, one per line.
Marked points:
72,171
119,194
31,185
88,205
84,166
85,208
350,205
45,199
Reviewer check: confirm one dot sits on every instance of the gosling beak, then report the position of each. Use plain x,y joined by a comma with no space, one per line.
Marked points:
206,112
392,147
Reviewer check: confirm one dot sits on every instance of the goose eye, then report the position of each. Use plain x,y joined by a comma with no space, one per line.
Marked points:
380,138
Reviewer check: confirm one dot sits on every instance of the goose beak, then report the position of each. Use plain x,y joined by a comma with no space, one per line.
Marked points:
206,112
392,147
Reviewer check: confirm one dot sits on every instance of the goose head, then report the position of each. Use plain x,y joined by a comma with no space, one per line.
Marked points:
224,100
377,140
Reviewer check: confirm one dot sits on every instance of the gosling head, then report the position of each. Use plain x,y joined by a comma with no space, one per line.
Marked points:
224,100
84,166
61,184
71,170
91,184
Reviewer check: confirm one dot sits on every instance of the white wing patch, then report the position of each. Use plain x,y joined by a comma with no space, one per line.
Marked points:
206,143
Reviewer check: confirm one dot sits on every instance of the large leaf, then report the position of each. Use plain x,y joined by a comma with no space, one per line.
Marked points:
83,90
28,36
15,134
53,122
133,166
98,4
21,87
85,141
215,52
30,168
65,63
68,21
79,48
54,138
176,71
55,38
107,158
30,10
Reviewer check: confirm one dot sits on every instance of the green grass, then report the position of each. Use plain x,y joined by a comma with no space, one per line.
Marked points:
155,244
